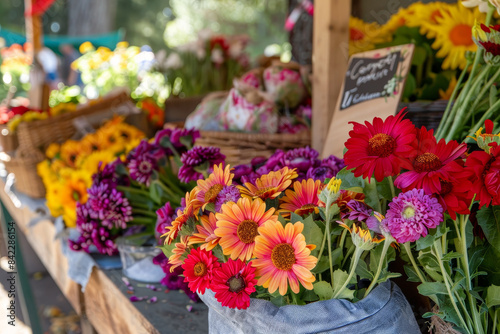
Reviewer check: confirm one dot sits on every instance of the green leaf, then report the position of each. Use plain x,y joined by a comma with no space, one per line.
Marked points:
295,218
210,207
324,263
282,220
313,234
384,188
339,278
218,253
493,296
430,265
349,180
362,270
428,240
490,265
451,255
412,275
272,203
410,86
419,56
493,95
278,300
309,296
372,196
167,249
489,220
323,290
432,288
476,257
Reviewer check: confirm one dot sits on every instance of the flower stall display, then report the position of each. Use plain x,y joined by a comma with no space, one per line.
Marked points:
442,36
440,204
206,65
15,64
67,171
284,238
263,100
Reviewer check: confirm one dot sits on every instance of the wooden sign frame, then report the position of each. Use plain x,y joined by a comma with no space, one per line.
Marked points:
372,87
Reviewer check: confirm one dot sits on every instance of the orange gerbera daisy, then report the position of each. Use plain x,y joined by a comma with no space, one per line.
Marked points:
180,253
206,233
303,199
270,185
211,187
283,257
190,211
237,226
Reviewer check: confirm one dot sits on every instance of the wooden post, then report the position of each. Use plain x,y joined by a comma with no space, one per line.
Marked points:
330,56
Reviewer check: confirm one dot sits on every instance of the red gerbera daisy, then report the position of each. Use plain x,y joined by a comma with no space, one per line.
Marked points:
485,170
198,269
381,148
434,162
454,196
233,283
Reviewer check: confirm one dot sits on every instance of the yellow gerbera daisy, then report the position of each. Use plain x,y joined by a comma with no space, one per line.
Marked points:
211,187
363,36
454,35
269,185
283,257
238,224
303,199
426,16
397,20
206,233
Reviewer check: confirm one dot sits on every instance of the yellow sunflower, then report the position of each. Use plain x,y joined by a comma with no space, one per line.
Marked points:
454,35
74,190
70,151
53,150
363,36
426,16
53,200
93,142
90,163
397,20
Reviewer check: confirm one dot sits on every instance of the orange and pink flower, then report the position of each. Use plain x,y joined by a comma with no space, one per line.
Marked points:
211,187
269,185
303,199
206,233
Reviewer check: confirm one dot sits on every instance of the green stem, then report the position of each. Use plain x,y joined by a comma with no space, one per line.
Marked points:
437,248
144,212
483,91
329,236
132,190
354,264
351,249
495,320
412,260
141,220
391,185
387,244
486,115
322,246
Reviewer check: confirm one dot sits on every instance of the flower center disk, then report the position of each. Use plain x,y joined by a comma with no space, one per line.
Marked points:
212,193
283,256
247,231
236,284
409,212
200,269
427,162
145,167
381,145
461,34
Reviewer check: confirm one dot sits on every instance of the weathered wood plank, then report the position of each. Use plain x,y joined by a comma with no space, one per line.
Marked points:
330,55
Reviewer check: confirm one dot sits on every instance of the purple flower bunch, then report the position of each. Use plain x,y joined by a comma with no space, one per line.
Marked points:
197,161
304,160
166,216
101,219
180,140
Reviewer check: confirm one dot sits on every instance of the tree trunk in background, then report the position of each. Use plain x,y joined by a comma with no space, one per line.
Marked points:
90,17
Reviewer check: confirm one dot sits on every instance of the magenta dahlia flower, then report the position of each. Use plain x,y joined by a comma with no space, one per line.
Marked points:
411,214
197,159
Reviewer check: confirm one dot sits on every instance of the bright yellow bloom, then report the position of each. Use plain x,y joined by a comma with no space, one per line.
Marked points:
363,36
361,237
334,185
283,258
70,151
52,150
425,16
86,47
90,163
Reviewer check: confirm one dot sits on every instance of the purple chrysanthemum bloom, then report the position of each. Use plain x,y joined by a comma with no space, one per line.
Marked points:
334,163
143,161
199,158
262,170
227,194
174,136
250,178
103,240
274,162
320,173
107,173
165,217
357,211
110,206
257,162
411,214
239,171
301,158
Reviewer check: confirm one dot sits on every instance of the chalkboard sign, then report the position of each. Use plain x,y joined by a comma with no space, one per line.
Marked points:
372,88
367,79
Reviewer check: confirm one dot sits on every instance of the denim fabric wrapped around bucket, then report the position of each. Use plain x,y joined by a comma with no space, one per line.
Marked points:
384,311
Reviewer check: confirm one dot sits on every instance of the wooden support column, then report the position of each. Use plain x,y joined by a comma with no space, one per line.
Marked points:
330,56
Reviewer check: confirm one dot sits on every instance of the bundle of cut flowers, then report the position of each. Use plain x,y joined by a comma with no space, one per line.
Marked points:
67,171
441,204
15,62
205,65
442,34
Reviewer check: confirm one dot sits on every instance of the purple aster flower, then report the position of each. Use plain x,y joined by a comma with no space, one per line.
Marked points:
239,171
227,194
197,159
320,173
262,170
104,241
357,211
107,174
411,214
110,206
174,137
335,164
257,162
143,161
249,178
274,161
301,158
165,216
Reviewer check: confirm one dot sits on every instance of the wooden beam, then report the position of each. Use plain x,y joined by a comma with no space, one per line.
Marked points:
330,56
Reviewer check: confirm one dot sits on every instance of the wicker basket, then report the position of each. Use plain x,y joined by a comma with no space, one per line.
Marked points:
241,148
8,140
40,134
425,113
23,166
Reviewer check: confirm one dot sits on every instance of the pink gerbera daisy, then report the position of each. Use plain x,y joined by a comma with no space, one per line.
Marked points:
381,148
233,283
303,199
211,187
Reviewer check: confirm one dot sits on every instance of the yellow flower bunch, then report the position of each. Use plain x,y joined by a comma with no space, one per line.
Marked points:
26,117
67,171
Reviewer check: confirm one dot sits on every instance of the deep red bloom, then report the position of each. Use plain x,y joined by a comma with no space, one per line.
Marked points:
485,170
198,269
454,195
381,148
233,284
434,162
